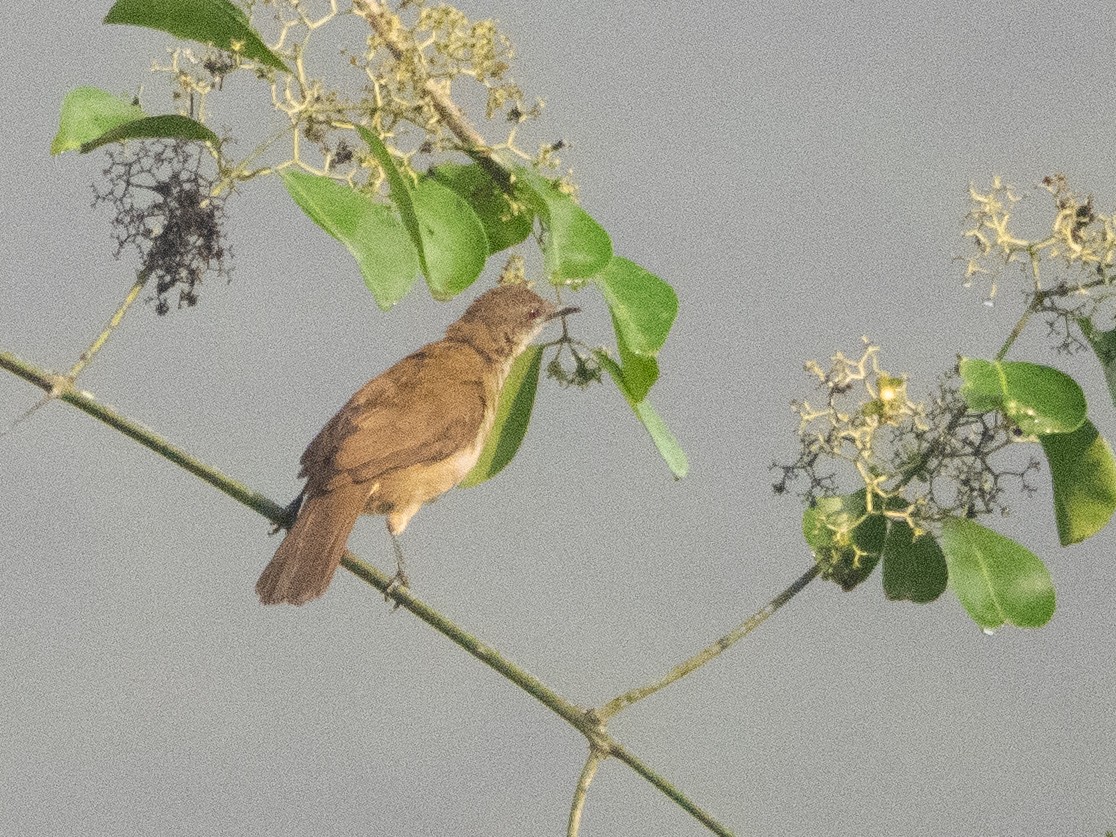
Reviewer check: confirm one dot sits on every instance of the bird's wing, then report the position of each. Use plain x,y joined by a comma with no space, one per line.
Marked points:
427,407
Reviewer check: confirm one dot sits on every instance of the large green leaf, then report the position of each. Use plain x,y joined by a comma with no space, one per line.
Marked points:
664,440
996,579
640,371
1084,477
502,227
914,569
1039,399
88,113
370,231
1104,344
169,126
513,413
219,23
846,538
447,234
399,185
643,306
454,246
575,246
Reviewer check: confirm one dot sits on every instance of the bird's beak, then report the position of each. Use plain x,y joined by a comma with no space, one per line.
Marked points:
561,312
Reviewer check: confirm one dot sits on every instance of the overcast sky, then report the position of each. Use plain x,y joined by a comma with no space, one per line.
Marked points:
798,172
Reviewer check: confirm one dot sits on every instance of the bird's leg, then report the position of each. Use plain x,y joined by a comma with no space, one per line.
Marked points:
290,513
400,577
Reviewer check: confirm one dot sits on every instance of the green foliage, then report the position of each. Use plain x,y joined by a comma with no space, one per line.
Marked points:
89,113
369,230
92,118
640,372
996,579
503,226
398,185
1084,478
512,416
643,308
1050,404
448,236
454,248
1039,399
574,245
846,537
1104,344
664,440
168,126
914,568
218,23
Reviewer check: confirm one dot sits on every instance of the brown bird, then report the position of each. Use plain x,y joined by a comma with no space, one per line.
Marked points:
405,438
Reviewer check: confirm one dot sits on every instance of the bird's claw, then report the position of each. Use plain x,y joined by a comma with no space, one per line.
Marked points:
398,580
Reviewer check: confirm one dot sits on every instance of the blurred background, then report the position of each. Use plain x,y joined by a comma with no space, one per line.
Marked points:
799,172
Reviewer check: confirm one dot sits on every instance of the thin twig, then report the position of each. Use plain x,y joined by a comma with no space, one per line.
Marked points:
113,324
62,382
581,792
387,27
710,652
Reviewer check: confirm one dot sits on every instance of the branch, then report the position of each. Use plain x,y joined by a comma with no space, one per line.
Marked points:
584,722
712,651
388,27
61,381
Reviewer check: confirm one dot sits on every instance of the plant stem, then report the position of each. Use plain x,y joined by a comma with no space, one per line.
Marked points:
1035,304
710,652
387,27
113,324
581,792
133,429
63,382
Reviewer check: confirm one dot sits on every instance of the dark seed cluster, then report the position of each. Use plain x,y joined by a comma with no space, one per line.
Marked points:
163,204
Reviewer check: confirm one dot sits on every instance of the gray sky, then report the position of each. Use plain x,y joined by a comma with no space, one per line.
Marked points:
798,172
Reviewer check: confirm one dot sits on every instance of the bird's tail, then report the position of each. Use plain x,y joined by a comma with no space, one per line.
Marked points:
305,562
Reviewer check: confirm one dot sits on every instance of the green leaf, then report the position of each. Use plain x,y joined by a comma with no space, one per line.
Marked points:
914,569
1037,398
640,371
513,413
664,440
447,234
370,231
643,306
454,247
575,246
996,579
502,228
87,113
1104,344
399,185
846,538
216,22
171,126
1084,477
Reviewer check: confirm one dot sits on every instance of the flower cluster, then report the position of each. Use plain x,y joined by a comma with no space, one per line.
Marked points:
918,462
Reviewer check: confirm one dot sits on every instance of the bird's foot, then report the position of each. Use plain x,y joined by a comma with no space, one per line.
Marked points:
290,513
398,580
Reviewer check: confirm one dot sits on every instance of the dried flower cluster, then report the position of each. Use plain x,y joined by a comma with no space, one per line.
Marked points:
1079,242
165,208
917,462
